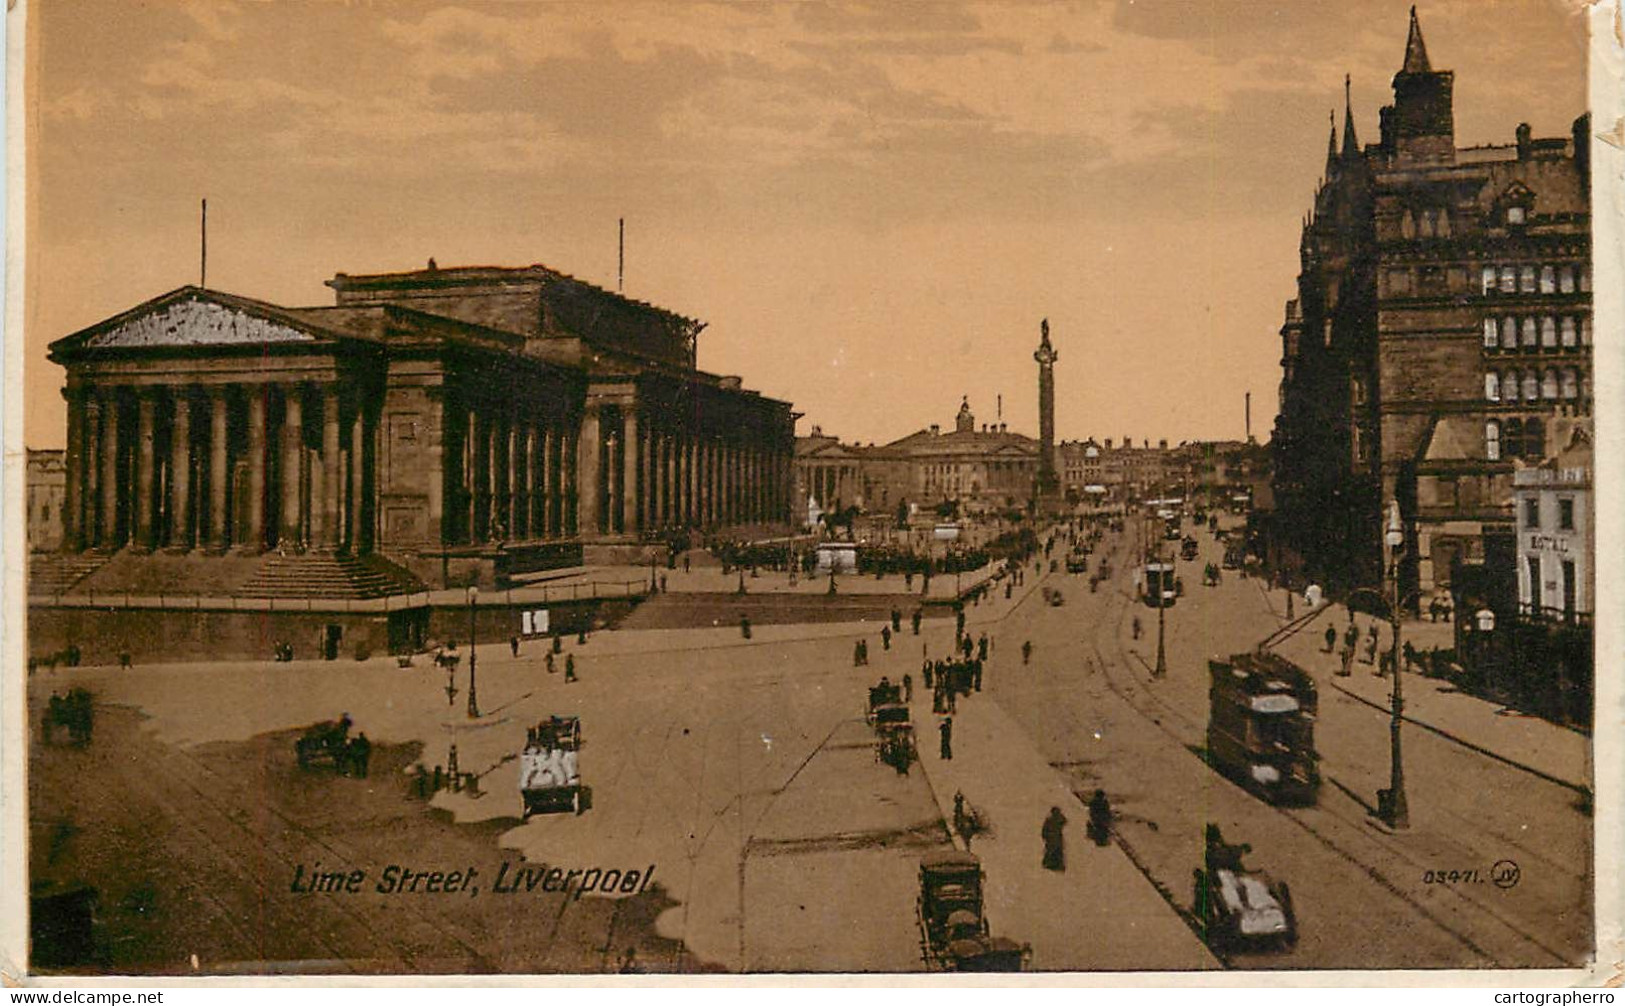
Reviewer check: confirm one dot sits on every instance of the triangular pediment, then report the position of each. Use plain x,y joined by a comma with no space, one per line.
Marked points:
195,318
194,322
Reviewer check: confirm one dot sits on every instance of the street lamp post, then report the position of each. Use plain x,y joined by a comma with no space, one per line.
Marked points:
473,696
1398,816
1162,655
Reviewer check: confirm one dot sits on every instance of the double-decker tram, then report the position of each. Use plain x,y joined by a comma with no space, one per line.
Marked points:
1261,726
1159,584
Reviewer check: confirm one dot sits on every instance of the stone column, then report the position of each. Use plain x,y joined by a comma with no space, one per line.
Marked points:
180,471
514,485
495,440
528,503
219,469
478,515
547,504
632,459
293,445
570,480
112,492
587,474
330,467
146,467
358,474
73,538
93,467
258,446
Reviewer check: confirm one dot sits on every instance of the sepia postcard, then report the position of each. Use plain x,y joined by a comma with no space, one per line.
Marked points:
1107,490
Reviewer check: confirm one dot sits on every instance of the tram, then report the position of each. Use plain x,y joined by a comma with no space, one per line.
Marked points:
1160,584
1261,726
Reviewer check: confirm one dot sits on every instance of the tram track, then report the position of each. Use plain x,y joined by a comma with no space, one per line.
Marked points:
1159,710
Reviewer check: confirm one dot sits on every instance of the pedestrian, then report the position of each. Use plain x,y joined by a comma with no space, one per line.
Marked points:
551,669
976,674
857,654
569,668
915,620
1331,638
938,700
360,754
925,672
744,626
1289,605
908,688
1054,835
1136,627
946,730
885,637
981,647
953,699
896,620
662,583
513,643
581,638
1027,652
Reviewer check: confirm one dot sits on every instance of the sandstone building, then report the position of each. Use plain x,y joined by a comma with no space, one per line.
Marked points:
438,427
1442,322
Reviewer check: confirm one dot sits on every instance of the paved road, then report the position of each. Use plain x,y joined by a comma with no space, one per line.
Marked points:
1091,703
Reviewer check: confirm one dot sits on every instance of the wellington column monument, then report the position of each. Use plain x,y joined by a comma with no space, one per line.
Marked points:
1048,488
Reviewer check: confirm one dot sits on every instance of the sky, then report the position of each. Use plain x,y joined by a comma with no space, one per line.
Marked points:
873,206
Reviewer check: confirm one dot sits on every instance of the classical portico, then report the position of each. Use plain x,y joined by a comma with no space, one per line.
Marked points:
395,425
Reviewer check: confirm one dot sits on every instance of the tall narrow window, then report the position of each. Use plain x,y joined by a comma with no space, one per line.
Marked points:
1492,440
1509,279
1487,277
1548,332
1526,279
1534,438
1531,386
1585,330
1530,338
1515,215
1570,383
1565,513
1492,387
1585,278
1548,384
1509,333
1568,331
1548,279
1537,598
1531,513
1509,386
1565,279
1512,434
1490,333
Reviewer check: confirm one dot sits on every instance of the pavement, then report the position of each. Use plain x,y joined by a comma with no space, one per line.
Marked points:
1552,751
1100,913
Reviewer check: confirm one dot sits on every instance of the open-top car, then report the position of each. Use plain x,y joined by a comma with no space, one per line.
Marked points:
1241,908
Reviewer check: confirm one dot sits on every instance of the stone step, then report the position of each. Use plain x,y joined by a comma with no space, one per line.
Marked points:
328,577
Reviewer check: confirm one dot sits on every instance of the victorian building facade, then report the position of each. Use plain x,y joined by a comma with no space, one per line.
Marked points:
1442,322
463,424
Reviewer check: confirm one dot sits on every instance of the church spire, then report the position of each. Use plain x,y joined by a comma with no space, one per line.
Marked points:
1351,145
1331,144
1416,51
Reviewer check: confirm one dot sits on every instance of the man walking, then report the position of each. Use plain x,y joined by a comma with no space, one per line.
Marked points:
1054,834
947,732
569,668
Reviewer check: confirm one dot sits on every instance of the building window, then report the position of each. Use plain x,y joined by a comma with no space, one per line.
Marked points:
1509,333
1509,279
1532,563
1585,330
1585,278
1399,281
1548,279
1492,387
1490,333
1512,433
1509,386
1492,440
1565,514
1530,338
1534,438
1526,279
1357,389
1515,215
1548,384
1548,332
1531,513
1565,279
1570,383
1570,602
1568,331
1531,386
1488,279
